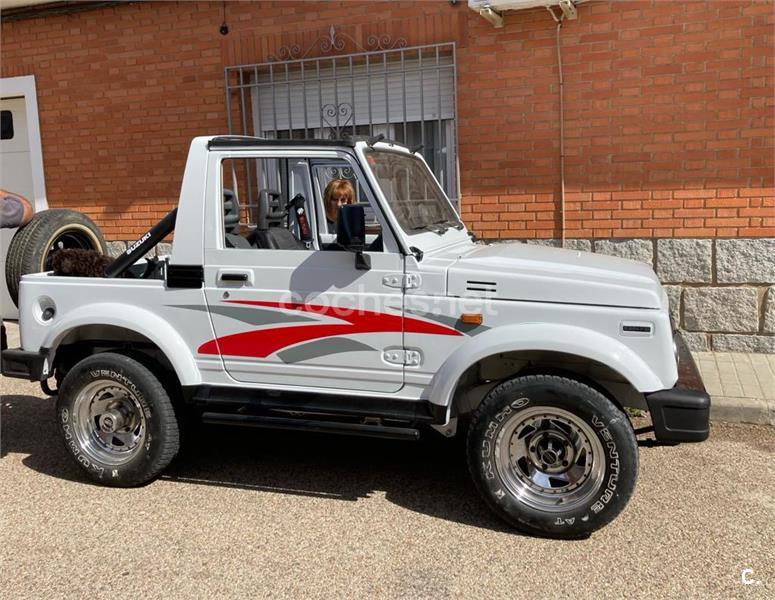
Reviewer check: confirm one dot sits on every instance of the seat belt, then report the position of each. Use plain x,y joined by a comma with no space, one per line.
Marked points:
297,203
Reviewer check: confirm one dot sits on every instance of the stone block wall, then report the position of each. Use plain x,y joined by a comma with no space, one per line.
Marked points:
721,291
117,248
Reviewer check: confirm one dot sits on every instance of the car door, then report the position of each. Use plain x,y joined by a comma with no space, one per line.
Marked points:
298,316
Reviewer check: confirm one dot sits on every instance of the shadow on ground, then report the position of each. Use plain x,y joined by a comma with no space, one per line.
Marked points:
429,476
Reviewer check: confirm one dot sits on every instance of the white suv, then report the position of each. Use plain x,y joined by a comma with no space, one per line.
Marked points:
399,322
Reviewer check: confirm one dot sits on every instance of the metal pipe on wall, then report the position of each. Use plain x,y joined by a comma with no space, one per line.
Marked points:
562,125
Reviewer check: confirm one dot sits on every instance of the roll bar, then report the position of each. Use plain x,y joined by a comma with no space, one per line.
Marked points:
147,241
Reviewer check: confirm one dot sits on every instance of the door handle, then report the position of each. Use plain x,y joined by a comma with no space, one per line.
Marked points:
233,277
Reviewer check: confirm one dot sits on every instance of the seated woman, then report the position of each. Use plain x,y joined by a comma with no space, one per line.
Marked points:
338,192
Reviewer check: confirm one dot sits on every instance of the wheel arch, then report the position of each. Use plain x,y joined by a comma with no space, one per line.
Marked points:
127,327
592,350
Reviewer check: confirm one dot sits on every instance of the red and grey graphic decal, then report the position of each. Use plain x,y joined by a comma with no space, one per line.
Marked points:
447,320
260,343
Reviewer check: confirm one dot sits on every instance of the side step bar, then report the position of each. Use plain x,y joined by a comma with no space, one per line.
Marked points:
265,422
228,399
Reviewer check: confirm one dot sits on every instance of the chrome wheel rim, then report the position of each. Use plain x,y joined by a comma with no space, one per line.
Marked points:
110,424
549,459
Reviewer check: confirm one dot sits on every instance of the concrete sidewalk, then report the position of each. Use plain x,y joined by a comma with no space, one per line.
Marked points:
742,386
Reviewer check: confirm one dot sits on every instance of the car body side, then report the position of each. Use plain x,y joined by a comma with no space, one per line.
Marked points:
515,333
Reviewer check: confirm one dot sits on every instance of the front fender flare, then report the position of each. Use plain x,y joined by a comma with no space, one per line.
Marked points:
567,339
136,319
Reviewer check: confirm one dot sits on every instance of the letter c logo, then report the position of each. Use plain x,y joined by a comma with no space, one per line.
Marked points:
744,577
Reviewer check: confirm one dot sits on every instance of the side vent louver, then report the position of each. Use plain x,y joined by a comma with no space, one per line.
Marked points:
636,328
489,287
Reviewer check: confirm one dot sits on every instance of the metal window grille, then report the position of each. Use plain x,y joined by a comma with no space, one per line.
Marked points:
405,93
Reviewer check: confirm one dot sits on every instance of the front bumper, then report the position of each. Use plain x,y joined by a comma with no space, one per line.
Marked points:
682,413
15,362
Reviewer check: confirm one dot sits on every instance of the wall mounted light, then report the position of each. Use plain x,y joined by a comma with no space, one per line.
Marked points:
224,28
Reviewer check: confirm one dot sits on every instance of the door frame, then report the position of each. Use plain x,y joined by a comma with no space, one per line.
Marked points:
218,257
24,87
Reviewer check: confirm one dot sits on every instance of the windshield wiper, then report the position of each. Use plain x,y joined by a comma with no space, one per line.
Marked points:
456,224
434,227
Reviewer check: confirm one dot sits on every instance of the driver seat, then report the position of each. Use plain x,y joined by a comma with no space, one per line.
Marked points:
271,231
231,222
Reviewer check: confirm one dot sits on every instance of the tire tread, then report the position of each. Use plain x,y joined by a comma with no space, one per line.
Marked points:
492,399
30,243
162,407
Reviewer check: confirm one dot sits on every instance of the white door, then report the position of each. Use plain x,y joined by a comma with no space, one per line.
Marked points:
297,318
15,176
301,316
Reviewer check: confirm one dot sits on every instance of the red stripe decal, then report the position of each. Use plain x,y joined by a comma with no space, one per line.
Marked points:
263,342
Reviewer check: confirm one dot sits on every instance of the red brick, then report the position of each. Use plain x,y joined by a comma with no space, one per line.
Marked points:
662,204
694,194
726,202
757,231
695,232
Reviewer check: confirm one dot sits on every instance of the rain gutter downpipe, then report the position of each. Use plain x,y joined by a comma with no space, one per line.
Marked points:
562,125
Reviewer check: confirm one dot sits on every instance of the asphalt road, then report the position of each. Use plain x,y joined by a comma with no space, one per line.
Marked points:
291,515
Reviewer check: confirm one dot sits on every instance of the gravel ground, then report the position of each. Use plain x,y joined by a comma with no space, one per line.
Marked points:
291,515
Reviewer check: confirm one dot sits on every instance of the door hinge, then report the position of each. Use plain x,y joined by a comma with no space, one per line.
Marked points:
398,356
404,281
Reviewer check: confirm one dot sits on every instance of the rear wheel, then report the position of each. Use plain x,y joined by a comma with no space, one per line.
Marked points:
33,246
117,420
552,456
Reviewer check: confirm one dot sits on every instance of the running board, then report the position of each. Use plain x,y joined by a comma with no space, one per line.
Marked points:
229,399
265,422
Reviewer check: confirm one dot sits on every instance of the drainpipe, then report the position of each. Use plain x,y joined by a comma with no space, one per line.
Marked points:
562,126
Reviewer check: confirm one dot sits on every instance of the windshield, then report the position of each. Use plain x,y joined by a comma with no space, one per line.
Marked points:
411,191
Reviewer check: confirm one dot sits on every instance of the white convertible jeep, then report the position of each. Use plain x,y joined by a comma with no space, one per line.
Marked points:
398,322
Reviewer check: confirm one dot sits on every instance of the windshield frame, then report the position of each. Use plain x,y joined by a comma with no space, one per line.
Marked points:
426,237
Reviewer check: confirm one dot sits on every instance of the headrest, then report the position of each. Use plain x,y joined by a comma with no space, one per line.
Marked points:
231,211
271,213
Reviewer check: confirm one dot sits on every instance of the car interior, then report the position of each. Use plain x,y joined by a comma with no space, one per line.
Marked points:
271,231
273,220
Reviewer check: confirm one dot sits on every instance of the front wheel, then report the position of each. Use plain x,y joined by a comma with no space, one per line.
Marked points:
552,456
117,420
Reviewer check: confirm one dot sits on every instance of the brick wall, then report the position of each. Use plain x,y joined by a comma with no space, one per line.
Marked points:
669,122
121,92
669,108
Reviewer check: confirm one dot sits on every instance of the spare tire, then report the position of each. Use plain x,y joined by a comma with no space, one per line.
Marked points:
33,246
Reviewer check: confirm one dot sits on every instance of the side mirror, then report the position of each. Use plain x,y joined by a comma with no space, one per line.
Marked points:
351,227
351,233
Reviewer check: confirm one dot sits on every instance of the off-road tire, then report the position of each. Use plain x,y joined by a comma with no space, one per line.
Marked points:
139,398
32,247
507,441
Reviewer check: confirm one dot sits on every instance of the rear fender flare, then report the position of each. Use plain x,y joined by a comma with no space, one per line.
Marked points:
133,318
